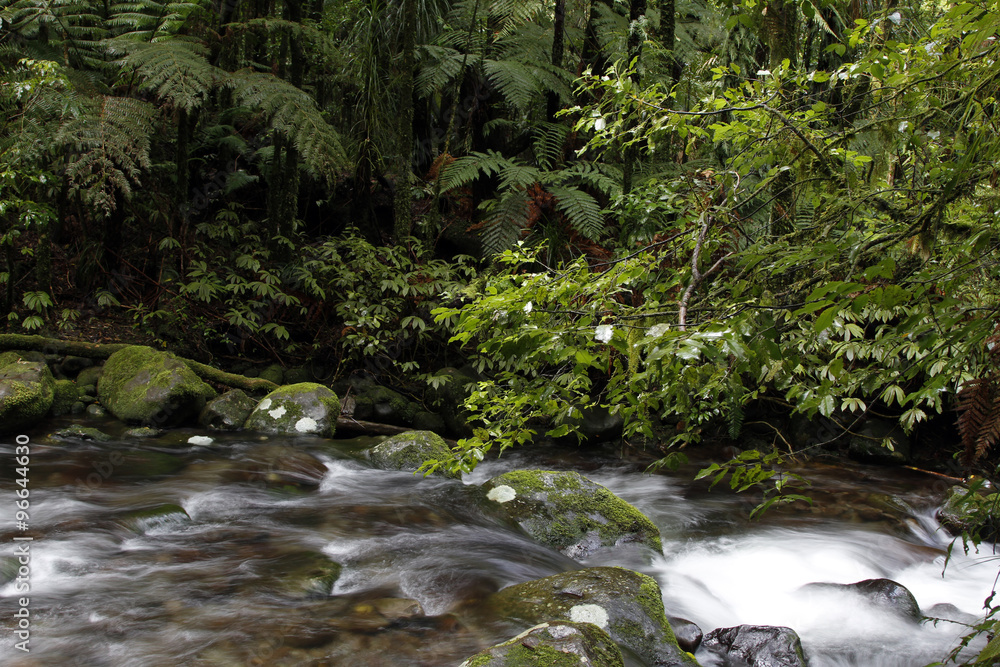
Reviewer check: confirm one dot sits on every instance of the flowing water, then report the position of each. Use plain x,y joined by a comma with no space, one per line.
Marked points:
237,578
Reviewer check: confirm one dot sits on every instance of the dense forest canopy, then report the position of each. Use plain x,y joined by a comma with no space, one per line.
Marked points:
682,213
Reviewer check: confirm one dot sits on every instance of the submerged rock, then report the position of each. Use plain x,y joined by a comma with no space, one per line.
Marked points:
141,521
280,466
227,412
306,408
27,390
408,451
309,573
553,644
688,634
569,512
143,432
141,385
626,604
77,432
884,594
756,646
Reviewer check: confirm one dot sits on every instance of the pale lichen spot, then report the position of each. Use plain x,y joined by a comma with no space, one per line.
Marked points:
502,494
278,412
589,613
306,425
202,440
265,404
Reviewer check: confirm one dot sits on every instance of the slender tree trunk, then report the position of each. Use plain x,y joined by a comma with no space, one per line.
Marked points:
668,37
593,55
558,28
403,201
635,37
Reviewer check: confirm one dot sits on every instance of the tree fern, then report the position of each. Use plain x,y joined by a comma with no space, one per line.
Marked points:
292,112
174,71
110,144
151,20
549,142
505,223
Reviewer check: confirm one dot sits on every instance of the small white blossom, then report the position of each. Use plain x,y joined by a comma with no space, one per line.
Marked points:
527,307
603,333
599,124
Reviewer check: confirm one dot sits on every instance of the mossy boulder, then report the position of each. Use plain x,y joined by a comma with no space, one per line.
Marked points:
273,373
756,646
306,408
972,512
227,412
27,390
141,385
143,520
65,395
884,594
553,644
569,512
89,377
408,451
626,604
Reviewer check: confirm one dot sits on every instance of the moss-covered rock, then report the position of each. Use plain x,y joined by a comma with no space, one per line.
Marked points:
142,520
27,390
65,395
756,646
569,512
626,604
227,412
273,373
71,366
143,432
85,433
553,644
408,451
386,406
141,385
972,512
306,408
89,376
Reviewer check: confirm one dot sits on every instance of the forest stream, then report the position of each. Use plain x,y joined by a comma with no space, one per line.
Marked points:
160,552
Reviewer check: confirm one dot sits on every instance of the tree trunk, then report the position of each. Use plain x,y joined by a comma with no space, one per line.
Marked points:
403,200
636,11
558,28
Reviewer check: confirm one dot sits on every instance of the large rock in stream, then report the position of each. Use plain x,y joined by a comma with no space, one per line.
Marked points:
141,385
884,594
554,644
756,646
569,512
972,512
409,450
306,408
27,390
626,604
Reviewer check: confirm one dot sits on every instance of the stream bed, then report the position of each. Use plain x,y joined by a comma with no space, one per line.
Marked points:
158,552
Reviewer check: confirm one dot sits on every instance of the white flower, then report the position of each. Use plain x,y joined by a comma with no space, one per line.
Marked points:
896,18
904,125
527,307
763,72
599,124
603,333
658,330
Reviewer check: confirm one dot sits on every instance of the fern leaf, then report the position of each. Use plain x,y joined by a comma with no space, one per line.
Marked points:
466,169
515,81
174,71
581,210
504,226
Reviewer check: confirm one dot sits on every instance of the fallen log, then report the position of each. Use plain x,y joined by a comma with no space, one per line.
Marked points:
353,425
104,350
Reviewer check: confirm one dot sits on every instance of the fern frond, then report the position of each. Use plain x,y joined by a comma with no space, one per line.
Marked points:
293,113
151,20
975,400
110,145
466,169
439,66
175,71
581,210
602,178
550,138
504,226
516,82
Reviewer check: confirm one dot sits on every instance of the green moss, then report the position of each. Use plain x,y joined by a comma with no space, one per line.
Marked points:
27,390
650,598
478,661
561,508
143,385
65,395
409,450
540,656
